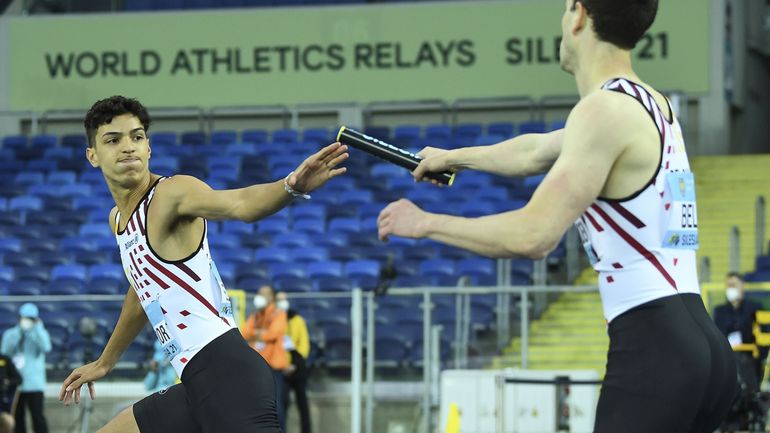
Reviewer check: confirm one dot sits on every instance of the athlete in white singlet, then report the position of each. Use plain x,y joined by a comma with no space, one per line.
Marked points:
160,226
618,171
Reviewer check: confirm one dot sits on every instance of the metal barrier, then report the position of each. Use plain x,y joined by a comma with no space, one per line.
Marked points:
281,111
759,226
515,102
391,107
157,113
735,249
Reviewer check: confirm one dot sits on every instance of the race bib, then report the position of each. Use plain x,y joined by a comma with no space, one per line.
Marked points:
170,346
225,307
681,213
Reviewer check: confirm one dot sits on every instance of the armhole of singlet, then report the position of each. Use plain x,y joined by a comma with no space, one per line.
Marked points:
660,154
149,245
117,221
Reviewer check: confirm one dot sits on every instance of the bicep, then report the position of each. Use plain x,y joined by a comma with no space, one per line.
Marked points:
547,151
194,198
578,176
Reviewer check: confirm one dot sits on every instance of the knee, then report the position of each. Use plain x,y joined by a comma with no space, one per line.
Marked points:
124,422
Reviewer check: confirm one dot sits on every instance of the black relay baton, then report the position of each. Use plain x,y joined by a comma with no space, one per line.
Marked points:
389,153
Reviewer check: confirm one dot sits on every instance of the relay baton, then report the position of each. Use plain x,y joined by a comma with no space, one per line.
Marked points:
390,153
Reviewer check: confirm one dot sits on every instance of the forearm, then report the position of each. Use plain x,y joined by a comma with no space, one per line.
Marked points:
130,323
504,235
520,156
259,201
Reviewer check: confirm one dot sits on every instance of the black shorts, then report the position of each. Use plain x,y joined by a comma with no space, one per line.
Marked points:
227,387
669,370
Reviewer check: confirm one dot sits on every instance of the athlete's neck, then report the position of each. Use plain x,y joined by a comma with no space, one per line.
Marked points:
126,198
600,63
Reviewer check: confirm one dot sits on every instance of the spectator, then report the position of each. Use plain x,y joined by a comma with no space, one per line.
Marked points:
26,344
297,343
264,330
161,374
10,379
736,317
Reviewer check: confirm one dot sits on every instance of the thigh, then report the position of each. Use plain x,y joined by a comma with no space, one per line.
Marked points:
167,410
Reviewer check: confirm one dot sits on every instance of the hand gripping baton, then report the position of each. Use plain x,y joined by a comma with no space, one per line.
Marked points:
390,153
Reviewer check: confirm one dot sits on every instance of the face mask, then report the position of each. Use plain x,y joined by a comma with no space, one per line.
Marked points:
25,323
283,304
733,294
260,302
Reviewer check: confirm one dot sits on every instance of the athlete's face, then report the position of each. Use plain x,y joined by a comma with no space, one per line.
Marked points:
121,149
572,22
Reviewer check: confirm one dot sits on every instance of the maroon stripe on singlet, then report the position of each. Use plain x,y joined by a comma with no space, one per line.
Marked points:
157,280
186,287
635,245
594,223
190,273
625,213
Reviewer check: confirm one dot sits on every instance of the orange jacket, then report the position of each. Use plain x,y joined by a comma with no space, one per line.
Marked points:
272,322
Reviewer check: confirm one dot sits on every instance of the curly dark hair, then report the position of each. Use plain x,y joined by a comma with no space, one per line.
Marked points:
103,111
621,23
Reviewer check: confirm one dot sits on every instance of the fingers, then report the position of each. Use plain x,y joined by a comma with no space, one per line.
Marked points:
66,384
77,395
92,390
339,159
337,171
420,171
326,151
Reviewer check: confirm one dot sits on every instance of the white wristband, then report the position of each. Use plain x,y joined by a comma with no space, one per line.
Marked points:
291,191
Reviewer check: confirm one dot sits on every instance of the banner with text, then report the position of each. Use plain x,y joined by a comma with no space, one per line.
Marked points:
327,54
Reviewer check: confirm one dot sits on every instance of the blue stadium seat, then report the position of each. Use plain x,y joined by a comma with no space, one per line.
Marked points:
310,211
250,271
110,270
193,138
11,245
318,136
533,127
97,230
340,211
345,225
291,240
480,267
89,203
330,240
345,254
164,165
272,226
44,245
287,135
468,131
240,150
333,284
59,153
309,226
15,141
356,198
77,272
420,253
388,170
163,138
281,270
27,178
362,268
763,263
61,177
65,286
404,135
223,137
77,243
390,351
237,256
557,124
324,269
227,163
224,241
438,132
293,285
256,136
521,272
46,141
26,288
494,193
438,268
78,142
272,255
22,260
309,254
6,274
45,166
503,129
239,228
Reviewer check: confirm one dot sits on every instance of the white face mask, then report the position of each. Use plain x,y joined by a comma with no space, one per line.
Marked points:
25,323
733,294
260,302
283,304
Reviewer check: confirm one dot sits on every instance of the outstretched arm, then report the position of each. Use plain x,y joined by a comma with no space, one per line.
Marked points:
189,197
520,156
573,183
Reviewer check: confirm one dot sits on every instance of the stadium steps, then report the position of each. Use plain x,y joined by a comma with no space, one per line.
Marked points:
727,188
571,334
